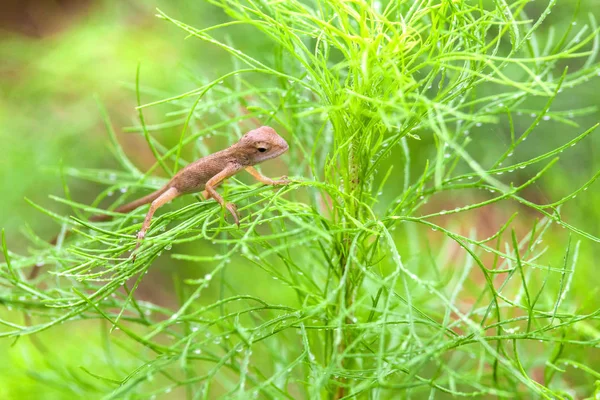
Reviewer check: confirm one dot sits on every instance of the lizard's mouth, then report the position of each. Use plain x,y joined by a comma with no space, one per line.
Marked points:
282,146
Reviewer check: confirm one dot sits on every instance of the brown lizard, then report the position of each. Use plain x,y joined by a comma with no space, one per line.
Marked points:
207,173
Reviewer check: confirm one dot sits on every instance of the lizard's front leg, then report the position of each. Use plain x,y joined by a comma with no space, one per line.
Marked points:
266,180
155,205
230,170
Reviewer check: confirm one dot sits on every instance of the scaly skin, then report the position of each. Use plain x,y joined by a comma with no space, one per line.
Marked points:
207,173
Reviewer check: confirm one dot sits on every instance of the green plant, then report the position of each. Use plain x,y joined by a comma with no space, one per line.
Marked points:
366,300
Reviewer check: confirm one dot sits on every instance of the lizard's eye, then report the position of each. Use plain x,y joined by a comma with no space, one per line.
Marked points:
262,149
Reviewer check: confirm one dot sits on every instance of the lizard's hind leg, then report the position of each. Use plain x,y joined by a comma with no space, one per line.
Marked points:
155,205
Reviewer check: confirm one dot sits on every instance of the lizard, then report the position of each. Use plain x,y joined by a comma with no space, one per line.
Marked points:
205,174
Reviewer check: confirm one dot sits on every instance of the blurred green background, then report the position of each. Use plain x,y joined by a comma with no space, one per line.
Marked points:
57,56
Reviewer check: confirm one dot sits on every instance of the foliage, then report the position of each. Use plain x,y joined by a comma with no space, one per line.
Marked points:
364,299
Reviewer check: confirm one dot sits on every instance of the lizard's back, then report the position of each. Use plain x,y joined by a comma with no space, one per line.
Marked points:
194,176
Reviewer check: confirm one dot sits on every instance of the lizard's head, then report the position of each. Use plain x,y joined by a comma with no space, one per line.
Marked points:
263,144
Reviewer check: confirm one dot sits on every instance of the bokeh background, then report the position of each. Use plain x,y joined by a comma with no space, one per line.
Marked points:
57,58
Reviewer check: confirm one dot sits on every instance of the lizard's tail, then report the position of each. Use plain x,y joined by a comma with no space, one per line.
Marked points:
131,206
104,217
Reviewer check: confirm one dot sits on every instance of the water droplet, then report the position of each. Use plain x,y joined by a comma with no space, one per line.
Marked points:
123,190
546,118
208,277
197,351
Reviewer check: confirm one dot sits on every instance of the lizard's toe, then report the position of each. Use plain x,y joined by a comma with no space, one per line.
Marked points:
283,181
234,212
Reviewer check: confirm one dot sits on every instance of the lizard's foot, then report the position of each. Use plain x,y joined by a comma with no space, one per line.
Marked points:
282,181
233,210
140,236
